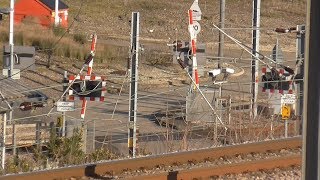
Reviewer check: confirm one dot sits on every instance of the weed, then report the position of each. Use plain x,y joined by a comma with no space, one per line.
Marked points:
19,40
80,38
58,30
4,36
18,164
101,154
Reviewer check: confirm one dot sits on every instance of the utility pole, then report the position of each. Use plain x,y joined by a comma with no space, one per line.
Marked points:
311,113
132,130
10,69
56,13
255,60
221,35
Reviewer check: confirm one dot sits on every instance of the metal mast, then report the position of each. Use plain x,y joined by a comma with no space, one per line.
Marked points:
132,136
255,49
221,35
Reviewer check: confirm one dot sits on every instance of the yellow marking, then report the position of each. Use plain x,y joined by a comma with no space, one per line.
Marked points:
59,121
130,142
285,112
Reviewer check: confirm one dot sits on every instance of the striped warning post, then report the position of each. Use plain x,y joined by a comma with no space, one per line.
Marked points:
193,38
89,72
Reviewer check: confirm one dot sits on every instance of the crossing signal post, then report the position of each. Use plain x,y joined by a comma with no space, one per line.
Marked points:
194,29
300,31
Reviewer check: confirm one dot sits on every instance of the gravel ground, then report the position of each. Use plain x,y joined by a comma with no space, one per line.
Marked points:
293,173
281,173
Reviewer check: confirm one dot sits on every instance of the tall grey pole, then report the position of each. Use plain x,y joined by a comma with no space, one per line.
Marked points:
11,45
132,138
311,110
221,35
300,59
255,60
56,13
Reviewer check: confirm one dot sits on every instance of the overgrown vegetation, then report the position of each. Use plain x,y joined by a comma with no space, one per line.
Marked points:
18,164
59,152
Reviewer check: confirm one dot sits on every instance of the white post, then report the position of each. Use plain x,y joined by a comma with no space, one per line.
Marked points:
3,121
56,13
286,128
10,69
255,58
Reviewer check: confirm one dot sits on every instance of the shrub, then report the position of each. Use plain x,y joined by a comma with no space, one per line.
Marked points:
66,151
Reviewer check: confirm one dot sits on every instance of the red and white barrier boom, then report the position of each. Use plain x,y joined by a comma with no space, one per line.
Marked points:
89,62
194,28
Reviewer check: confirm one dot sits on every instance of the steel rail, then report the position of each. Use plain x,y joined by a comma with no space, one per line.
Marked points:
220,170
118,166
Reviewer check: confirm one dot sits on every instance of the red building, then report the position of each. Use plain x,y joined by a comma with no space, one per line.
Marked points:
43,10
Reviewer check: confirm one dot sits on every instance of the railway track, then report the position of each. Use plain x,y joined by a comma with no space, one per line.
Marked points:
118,167
212,172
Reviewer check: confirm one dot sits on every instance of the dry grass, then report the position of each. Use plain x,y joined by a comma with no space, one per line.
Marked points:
111,17
167,19
44,39
47,40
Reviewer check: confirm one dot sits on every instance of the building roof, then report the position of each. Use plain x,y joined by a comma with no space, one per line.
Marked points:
51,4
